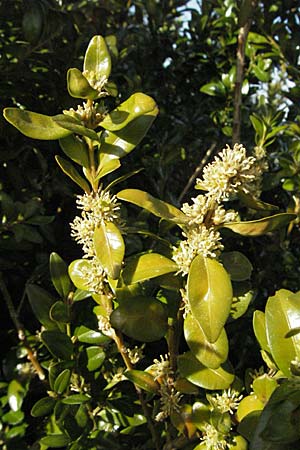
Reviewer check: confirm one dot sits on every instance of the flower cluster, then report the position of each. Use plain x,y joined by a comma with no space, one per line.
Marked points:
213,439
90,114
96,208
230,172
228,401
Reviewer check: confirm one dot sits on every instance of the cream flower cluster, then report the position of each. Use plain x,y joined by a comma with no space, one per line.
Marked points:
96,208
230,172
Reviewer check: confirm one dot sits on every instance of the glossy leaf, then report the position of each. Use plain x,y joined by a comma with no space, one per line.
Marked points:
259,327
135,106
97,58
95,357
41,302
75,126
62,382
143,379
60,312
240,303
146,266
157,207
282,315
190,368
237,265
59,275
132,315
110,248
58,344
43,407
15,395
110,166
75,149
210,355
34,125
78,85
89,336
209,292
70,170
247,405
260,226
263,387
78,271
118,144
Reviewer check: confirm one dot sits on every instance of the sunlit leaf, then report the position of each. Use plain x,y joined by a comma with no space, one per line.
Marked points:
34,125
95,357
70,170
110,248
145,266
75,149
78,85
209,292
260,226
89,336
75,126
259,327
157,207
142,379
97,58
78,271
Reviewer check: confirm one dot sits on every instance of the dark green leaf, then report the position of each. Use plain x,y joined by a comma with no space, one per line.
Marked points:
95,357
142,379
59,344
76,399
75,149
55,440
43,407
59,275
70,170
41,302
60,312
62,382
237,265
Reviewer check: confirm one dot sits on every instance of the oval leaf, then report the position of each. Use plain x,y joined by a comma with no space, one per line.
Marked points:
70,170
58,344
88,336
209,292
55,440
97,58
59,275
78,271
146,266
210,355
62,382
34,125
132,315
282,315
41,302
78,85
95,358
142,379
190,368
260,226
154,205
110,248
43,407
60,312
237,265
76,399
75,149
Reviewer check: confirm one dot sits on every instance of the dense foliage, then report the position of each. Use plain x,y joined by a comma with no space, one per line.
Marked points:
176,326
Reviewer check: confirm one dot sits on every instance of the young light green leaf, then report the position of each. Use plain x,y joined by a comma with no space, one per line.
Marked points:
145,266
78,271
259,327
157,207
260,226
34,125
78,85
70,170
110,166
210,355
282,315
59,275
110,248
97,58
209,292
190,368
75,149
136,105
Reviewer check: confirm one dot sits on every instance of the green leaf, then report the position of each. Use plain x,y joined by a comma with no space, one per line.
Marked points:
260,226
110,248
210,355
132,315
34,125
59,275
215,88
78,271
240,303
15,395
43,407
212,379
75,149
13,417
145,266
282,315
143,379
78,85
76,399
209,292
109,166
255,203
62,382
60,312
259,327
41,302
97,58
157,207
58,344
88,336
55,440
264,386
237,265
75,126
118,144
136,105
95,357
70,170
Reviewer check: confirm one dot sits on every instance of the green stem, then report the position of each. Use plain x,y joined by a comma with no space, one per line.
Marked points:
20,329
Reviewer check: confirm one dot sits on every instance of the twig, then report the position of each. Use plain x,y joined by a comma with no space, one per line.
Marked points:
249,6
197,171
20,329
